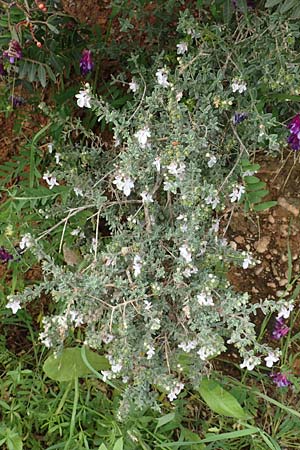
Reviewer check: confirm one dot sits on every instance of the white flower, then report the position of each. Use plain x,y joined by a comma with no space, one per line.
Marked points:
14,305
169,186
137,265
148,305
285,311
84,97
106,374
50,147
57,158
162,78
185,253
237,193
187,347
156,163
271,359
247,262
250,363
150,352
213,201
179,96
146,197
182,48
26,241
142,136
212,161
204,353
189,271
78,192
124,184
175,391
205,299
133,86
116,368
238,86
176,169
249,173
107,338
50,180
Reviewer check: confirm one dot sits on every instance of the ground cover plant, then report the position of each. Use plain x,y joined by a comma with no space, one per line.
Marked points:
115,215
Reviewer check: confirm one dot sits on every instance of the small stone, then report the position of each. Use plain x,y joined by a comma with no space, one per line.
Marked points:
239,239
283,282
290,208
262,245
254,290
259,270
233,245
284,258
271,219
271,285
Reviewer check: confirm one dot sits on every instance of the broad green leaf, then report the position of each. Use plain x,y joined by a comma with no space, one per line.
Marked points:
220,401
42,75
103,447
251,180
256,196
264,206
14,441
164,420
119,444
50,73
32,72
69,364
256,186
52,28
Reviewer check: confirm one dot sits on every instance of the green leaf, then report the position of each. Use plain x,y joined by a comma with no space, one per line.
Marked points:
228,10
119,444
50,73
287,5
271,3
103,447
256,186
42,75
164,420
13,441
32,72
52,28
256,196
251,180
69,364
220,401
264,206
242,4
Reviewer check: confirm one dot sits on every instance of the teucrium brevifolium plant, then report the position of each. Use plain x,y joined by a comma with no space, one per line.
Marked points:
153,294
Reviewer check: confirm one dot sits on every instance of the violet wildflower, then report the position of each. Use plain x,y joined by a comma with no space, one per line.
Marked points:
239,117
14,51
86,62
280,379
294,127
5,256
280,329
16,101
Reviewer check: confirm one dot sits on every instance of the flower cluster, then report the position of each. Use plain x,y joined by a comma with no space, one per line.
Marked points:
86,62
294,137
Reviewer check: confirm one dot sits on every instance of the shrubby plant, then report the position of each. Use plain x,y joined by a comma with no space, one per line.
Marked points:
147,285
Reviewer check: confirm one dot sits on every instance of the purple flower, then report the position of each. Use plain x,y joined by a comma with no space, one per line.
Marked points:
280,379
239,117
86,62
17,101
14,51
5,256
280,329
294,127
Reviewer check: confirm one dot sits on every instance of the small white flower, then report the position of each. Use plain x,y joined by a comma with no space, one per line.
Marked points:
147,305
50,180
146,197
50,147
106,374
204,353
271,359
179,96
189,271
78,192
137,265
57,158
14,305
84,97
250,363
185,253
205,299
133,86
247,262
285,311
124,184
237,193
188,346
162,78
212,161
182,48
142,136
238,86
107,338
176,169
116,368
213,201
249,173
150,352
156,163
169,186
26,241
175,391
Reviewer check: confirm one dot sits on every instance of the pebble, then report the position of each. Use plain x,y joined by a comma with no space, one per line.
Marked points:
239,239
271,219
271,285
283,282
286,205
262,244
259,270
